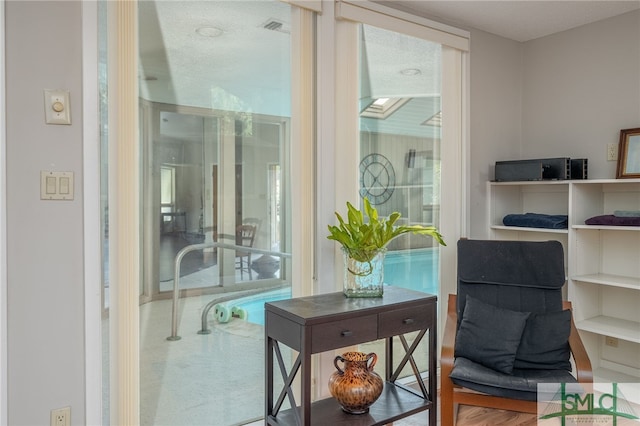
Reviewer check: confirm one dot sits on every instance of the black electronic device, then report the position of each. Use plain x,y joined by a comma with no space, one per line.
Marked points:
579,169
534,169
556,168
517,170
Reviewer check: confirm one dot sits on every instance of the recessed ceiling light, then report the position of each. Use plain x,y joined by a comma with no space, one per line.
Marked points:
411,71
209,31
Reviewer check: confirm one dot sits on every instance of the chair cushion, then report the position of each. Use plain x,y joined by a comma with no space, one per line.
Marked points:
537,264
545,342
525,276
490,335
521,384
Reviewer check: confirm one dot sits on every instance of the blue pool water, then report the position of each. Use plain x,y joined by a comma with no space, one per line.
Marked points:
254,305
415,270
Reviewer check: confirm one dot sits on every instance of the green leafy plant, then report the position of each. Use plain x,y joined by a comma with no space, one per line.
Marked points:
363,239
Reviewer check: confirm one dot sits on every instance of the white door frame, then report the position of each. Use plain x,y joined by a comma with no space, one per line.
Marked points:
92,215
3,230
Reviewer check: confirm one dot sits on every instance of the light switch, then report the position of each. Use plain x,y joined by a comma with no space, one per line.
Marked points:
64,185
56,185
51,185
56,107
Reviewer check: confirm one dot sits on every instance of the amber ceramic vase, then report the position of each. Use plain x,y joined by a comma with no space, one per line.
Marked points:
355,386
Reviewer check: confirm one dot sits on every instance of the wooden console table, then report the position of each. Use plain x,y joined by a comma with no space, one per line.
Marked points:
325,322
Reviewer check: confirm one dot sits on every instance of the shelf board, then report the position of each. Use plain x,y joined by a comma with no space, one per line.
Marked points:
394,403
606,228
601,181
530,182
524,229
612,280
603,377
614,327
606,375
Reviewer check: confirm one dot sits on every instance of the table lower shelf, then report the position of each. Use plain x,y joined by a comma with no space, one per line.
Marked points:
394,403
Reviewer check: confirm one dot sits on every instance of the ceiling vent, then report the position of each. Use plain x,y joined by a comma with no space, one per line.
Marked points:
275,25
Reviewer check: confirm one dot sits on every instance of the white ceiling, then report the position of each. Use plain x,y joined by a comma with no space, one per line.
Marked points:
242,69
522,20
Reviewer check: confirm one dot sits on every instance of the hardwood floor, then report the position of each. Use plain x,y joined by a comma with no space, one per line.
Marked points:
478,416
468,416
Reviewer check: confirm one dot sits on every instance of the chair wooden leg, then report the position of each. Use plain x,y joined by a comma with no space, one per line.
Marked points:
446,403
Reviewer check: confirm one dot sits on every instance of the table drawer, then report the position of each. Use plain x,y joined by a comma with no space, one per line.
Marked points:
339,334
405,320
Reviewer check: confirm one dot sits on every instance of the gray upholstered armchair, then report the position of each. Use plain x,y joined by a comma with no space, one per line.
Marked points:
508,328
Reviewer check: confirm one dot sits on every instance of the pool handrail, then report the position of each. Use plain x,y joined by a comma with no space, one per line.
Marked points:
178,263
211,304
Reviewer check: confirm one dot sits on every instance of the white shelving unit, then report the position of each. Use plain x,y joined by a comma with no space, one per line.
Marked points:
545,197
603,262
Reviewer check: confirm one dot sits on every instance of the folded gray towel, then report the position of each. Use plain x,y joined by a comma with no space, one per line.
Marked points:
627,213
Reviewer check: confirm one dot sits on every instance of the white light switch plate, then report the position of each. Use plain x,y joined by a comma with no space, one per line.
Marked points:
57,109
56,185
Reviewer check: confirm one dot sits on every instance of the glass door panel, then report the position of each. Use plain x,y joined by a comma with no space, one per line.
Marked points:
215,97
178,156
400,104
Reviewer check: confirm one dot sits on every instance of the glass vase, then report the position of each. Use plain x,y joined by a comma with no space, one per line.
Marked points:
364,277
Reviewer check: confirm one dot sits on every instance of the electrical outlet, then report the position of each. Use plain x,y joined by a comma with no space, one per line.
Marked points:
611,341
612,151
61,417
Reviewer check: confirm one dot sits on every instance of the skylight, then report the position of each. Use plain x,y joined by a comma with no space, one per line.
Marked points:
382,108
435,120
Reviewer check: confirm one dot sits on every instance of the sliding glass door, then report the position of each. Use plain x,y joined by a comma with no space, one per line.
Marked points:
400,125
206,116
400,137
215,118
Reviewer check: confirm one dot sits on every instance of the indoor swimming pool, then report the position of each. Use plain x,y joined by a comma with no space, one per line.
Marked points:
253,305
415,269
412,269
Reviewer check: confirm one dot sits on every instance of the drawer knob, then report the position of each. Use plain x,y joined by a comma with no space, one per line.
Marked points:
408,321
347,333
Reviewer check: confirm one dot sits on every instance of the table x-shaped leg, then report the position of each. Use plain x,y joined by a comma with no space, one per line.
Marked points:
288,380
408,357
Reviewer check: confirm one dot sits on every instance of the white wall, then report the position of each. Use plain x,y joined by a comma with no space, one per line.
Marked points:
44,238
564,95
495,118
580,88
